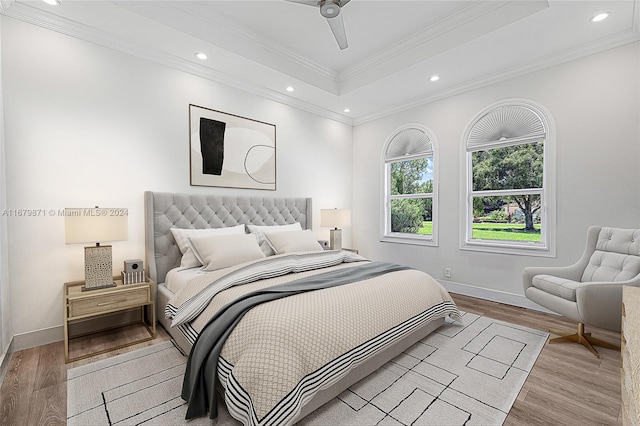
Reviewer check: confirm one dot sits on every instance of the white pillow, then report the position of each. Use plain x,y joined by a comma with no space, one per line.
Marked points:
222,251
181,236
261,230
287,242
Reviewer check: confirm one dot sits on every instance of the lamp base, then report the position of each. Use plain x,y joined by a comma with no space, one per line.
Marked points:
335,239
97,268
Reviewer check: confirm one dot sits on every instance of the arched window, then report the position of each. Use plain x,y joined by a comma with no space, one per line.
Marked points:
509,203
410,189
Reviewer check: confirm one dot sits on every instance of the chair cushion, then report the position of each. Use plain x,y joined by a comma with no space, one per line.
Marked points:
617,240
612,267
616,256
557,286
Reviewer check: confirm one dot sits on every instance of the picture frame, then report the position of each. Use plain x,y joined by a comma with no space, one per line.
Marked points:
227,150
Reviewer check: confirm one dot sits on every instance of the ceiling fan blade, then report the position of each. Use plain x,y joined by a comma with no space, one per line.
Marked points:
337,27
307,2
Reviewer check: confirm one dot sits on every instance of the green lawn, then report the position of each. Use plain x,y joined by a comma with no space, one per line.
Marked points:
427,228
505,231
495,231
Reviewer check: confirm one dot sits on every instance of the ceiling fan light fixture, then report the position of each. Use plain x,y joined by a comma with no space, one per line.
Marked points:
329,9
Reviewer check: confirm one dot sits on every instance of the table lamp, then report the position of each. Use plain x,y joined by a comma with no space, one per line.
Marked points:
333,218
96,225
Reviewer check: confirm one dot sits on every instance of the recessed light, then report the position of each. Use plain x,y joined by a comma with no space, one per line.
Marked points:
434,78
290,89
201,56
52,2
347,110
600,17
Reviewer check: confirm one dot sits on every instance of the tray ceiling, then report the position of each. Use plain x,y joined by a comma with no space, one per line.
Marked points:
394,46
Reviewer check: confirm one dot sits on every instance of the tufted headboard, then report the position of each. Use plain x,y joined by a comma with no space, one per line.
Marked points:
166,210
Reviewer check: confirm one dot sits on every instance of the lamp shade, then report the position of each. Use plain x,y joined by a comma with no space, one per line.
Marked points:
335,218
95,225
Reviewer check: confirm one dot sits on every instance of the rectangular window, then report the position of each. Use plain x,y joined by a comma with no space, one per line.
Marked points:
411,196
412,176
503,218
509,167
412,215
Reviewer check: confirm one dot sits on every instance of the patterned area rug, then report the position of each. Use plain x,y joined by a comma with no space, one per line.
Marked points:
458,375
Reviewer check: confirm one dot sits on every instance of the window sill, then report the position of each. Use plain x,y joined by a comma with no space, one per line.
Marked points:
402,239
506,248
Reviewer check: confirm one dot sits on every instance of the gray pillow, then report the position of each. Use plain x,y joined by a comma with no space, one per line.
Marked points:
287,242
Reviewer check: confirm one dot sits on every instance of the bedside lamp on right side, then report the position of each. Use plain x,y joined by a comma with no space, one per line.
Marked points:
333,218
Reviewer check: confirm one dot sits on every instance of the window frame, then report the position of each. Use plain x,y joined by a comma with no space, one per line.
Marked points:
385,218
547,246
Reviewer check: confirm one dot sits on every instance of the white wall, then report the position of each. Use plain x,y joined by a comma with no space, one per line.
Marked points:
5,321
595,103
87,125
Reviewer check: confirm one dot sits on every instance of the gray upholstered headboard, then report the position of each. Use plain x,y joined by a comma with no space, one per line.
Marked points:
165,210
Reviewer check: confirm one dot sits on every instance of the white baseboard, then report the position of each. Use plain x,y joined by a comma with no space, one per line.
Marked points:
5,360
493,295
56,334
37,338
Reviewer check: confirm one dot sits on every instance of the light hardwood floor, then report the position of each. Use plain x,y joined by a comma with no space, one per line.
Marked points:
568,385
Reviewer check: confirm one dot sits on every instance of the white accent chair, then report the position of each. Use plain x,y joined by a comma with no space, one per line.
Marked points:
590,290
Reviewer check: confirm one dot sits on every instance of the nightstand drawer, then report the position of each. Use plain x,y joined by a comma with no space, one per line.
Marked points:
104,303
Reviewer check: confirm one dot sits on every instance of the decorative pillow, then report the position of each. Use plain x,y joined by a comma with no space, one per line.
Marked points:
261,230
181,236
222,251
287,242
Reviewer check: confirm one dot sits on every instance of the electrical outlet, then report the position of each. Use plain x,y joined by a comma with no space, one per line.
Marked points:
447,272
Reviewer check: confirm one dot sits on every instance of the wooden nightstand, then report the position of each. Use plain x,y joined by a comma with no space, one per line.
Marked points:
82,305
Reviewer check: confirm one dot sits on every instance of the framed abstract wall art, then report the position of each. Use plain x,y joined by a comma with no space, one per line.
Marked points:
230,151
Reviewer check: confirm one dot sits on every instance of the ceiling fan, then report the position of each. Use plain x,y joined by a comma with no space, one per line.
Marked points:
330,9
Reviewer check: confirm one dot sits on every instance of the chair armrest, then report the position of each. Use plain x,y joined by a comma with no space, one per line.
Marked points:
600,303
572,272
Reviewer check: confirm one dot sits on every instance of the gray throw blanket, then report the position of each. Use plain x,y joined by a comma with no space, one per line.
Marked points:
198,387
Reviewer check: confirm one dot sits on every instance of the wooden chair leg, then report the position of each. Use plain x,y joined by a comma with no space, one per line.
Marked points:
585,339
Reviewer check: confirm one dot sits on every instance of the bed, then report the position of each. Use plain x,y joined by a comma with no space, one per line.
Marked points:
337,315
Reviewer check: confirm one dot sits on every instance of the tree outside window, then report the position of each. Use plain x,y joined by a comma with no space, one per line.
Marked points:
413,179
500,169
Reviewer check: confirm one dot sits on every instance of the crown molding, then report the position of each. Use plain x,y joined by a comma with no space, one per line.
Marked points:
5,5
586,49
253,38
46,20
431,39
70,28
420,39
267,44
